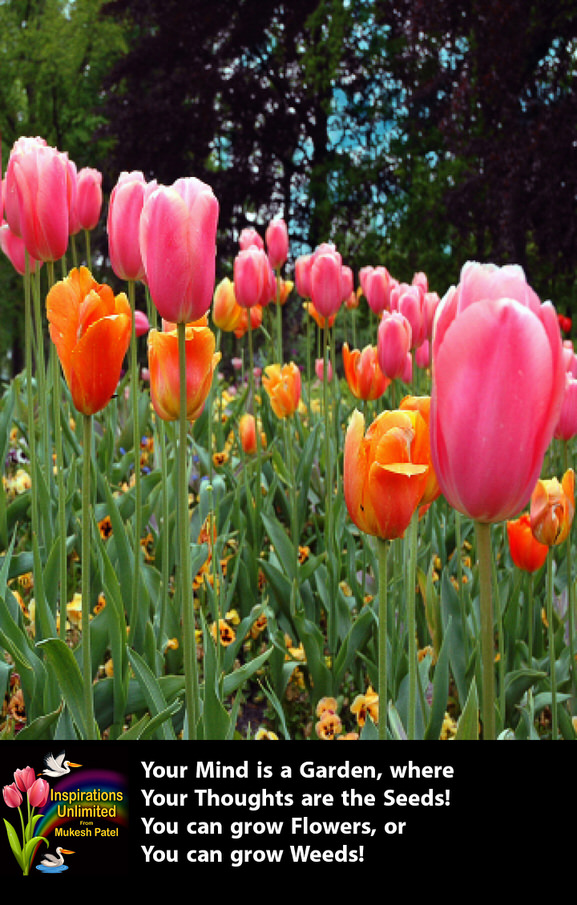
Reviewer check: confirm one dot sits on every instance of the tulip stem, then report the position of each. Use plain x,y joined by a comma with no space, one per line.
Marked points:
551,633
134,616
189,640
86,523
411,624
253,409
483,533
382,555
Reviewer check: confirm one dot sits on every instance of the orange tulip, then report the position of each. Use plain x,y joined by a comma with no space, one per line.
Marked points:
91,329
363,374
283,386
422,404
320,320
526,551
226,312
255,315
247,432
201,359
385,471
552,509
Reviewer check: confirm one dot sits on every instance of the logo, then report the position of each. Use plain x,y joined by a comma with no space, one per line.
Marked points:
70,815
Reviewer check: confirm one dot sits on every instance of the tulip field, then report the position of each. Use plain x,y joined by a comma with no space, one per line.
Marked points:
270,498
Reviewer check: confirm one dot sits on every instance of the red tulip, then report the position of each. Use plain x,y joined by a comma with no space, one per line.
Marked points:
178,244
526,551
498,384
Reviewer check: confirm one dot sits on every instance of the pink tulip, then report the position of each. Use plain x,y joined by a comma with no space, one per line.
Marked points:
248,237
141,323
485,281
39,194
377,284
15,250
12,795
85,213
394,340
277,243
125,208
320,369
253,278
423,355
420,279
430,306
24,778
498,386
178,244
327,293
10,195
303,266
38,793
567,424
569,357
410,302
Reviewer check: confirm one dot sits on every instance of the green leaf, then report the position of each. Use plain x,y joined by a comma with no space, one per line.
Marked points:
30,847
14,843
69,677
468,725
153,695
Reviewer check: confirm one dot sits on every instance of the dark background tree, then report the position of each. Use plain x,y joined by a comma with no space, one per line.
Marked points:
491,106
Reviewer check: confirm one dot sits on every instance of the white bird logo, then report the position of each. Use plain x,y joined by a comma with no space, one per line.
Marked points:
56,860
57,766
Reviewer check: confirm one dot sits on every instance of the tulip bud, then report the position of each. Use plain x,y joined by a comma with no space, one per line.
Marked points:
277,243
85,213
553,509
252,277
394,340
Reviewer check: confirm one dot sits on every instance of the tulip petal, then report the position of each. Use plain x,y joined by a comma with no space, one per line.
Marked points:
96,361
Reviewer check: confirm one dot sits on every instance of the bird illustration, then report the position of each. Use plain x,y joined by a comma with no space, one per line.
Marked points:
57,766
56,860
